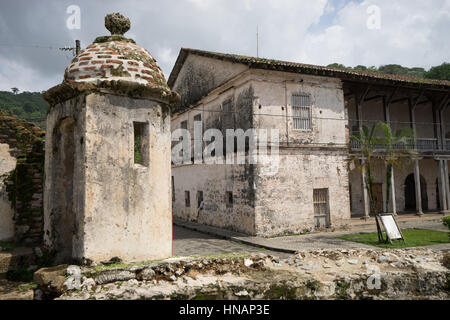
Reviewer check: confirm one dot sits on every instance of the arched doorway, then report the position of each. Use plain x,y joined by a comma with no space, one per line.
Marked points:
410,193
62,213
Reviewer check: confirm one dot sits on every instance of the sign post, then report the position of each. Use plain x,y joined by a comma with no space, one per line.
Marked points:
391,228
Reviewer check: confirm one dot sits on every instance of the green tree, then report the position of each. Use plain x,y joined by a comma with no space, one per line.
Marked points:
441,72
396,151
336,65
417,72
360,67
29,108
393,69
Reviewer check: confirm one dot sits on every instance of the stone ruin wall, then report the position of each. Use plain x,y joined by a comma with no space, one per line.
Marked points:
21,180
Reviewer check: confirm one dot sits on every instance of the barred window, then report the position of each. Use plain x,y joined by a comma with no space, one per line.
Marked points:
301,111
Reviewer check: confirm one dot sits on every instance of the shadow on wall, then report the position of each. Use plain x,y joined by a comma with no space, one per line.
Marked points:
410,193
62,216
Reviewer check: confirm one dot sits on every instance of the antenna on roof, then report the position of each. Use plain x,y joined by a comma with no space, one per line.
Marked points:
75,50
257,42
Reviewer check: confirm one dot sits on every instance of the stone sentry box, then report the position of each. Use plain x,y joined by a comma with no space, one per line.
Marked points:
107,159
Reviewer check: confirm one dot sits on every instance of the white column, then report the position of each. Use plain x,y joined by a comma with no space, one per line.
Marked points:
417,184
394,204
447,185
441,186
366,201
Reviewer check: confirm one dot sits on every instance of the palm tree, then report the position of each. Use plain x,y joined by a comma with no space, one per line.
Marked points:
396,151
367,140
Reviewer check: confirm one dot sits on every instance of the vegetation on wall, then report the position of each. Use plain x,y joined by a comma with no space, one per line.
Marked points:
26,105
446,221
24,183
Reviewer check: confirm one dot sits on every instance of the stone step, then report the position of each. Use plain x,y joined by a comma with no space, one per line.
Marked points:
17,258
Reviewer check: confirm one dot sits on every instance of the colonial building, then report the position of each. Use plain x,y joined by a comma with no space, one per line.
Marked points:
315,110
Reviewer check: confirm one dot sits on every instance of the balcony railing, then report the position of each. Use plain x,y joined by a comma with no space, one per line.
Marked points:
427,144
422,144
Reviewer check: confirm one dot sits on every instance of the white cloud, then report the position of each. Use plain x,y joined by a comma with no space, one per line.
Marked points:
13,74
165,56
411,34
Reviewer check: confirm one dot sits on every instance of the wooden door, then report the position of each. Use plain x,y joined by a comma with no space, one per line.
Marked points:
321,208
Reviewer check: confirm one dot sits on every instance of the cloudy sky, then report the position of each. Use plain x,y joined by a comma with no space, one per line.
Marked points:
413,33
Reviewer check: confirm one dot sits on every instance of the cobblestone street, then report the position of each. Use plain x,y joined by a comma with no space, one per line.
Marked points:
188,242
210,240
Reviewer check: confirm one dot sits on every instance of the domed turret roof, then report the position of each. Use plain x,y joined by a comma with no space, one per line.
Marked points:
115,58
115,61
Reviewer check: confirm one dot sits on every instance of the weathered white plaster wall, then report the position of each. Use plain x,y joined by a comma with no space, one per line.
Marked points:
128,205
119,208
273,108
199,75
215,181
283,202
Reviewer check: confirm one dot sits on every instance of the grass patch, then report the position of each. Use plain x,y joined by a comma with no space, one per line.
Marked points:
111,266
7,245
413,238
123,265
28,286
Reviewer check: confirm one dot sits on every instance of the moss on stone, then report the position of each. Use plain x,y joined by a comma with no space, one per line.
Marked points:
70,89
341,289
103,39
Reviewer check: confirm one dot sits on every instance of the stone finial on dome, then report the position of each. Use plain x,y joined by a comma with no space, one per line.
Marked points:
117,24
